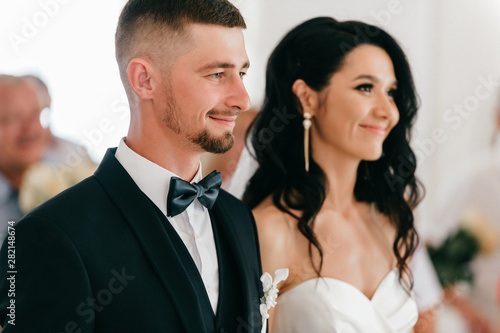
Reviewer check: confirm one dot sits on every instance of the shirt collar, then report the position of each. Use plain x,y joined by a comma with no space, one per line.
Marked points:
151,178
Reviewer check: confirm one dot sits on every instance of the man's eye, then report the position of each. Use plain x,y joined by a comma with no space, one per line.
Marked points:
242,74
216,75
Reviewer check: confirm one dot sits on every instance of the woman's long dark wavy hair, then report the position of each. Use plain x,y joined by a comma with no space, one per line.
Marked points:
313,52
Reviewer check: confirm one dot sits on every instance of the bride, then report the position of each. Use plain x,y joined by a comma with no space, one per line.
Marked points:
335,187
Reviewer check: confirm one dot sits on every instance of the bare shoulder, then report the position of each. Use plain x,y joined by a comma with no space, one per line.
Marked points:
275,229
385,227
389,231
271,220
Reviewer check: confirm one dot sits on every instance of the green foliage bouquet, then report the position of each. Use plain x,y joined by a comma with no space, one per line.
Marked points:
452,258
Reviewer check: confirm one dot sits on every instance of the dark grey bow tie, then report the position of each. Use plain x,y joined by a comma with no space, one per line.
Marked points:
182,193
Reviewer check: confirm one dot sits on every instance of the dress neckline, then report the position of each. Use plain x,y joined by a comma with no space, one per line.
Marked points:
344,283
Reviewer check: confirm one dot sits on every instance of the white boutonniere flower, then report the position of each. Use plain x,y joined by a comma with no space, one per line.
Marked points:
270,293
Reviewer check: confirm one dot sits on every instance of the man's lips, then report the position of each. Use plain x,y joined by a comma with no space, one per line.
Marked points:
225,120
379,130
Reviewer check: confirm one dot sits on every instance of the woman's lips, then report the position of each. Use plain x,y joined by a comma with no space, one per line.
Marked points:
379,130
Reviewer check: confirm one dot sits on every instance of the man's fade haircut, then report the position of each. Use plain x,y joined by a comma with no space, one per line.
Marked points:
154,23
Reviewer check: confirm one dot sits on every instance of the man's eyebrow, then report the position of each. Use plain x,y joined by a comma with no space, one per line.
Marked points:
218,64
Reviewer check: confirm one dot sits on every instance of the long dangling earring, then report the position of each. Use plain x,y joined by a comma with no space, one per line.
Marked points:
307,125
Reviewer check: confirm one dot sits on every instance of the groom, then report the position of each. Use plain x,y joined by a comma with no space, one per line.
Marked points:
146,245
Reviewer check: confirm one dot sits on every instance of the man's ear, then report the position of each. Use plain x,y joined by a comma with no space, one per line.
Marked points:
139,73
308,97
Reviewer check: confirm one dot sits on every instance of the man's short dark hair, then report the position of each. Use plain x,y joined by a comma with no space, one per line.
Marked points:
146,26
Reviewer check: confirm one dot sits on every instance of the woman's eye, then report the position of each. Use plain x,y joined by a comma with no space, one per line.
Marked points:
365,87
392,92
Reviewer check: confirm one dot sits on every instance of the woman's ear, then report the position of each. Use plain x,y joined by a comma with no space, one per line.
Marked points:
139,73
308,97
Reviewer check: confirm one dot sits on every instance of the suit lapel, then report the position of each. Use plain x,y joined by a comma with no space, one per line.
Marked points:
233,273
138,212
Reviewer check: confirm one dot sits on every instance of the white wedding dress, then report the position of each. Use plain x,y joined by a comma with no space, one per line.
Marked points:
322,305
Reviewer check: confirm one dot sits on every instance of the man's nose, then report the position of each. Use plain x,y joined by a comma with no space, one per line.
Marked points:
238,95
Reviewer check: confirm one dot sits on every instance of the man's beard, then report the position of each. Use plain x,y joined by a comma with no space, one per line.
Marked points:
203,139
211,144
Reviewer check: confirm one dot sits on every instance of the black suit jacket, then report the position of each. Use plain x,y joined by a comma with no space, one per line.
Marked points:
101,257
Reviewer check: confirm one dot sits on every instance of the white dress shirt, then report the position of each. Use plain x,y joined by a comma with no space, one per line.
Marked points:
193,225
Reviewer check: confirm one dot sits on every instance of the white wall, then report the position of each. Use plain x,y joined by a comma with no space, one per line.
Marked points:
468,54
70,44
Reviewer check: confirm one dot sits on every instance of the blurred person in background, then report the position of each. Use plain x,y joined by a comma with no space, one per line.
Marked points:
22,143
471,207
428,291
63,163
59,149
35,165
